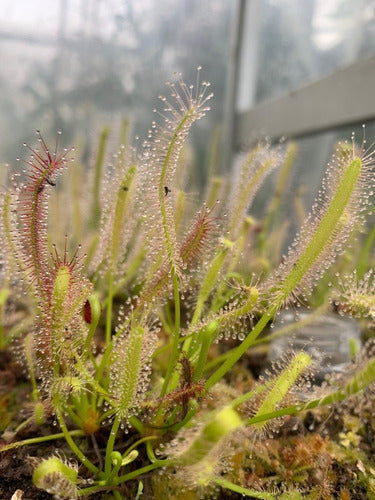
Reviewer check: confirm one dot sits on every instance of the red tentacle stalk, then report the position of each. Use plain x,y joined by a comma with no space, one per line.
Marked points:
43,168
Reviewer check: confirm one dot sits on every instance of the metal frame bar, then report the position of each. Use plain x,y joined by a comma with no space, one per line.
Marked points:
340,99
227,142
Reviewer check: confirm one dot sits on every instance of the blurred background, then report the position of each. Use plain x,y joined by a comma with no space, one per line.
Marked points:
278,68
78,65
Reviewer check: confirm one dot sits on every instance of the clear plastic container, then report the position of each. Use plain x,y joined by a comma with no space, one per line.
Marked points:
325,338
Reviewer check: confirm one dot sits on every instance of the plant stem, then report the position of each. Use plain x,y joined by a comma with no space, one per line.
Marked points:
137,443
243,491
94,489
108,322
204,339
42,439
144,470
242,348
176,335
96,207
76,450
110,444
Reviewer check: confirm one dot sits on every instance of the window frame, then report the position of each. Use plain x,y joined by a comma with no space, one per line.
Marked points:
342,98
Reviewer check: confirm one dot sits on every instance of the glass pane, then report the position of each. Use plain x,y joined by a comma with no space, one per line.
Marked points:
79,65
303,41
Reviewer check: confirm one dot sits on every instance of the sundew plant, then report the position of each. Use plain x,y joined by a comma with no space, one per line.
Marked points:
134,342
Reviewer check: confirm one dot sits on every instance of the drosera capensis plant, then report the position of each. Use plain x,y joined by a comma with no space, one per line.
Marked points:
122,342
